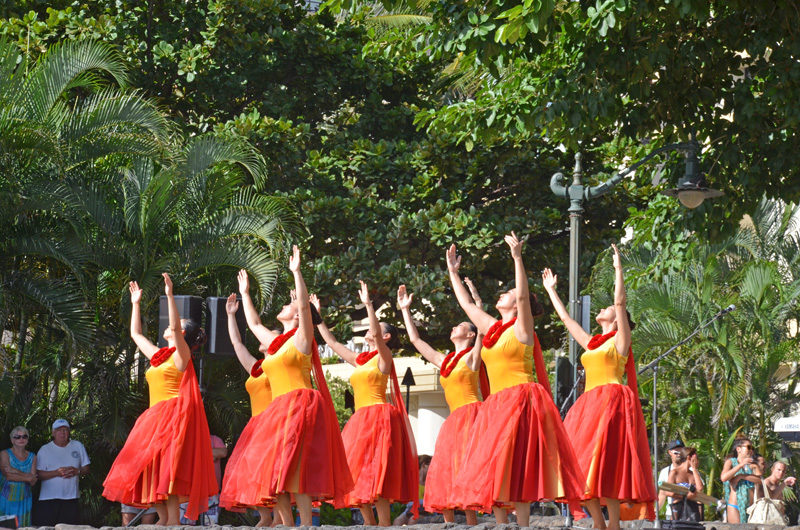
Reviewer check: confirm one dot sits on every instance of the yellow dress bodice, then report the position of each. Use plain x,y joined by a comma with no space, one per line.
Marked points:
509,362
288,369
603,365
260,393
369,384
461,386
164,381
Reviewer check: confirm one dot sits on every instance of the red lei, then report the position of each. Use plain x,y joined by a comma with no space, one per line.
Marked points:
494,333
161,355
448,366
256,370
598,340
279,341
365,357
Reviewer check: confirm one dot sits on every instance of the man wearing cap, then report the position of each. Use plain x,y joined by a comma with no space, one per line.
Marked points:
60,465
663,475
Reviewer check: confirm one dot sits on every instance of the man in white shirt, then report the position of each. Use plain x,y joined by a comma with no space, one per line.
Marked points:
663,475
60,464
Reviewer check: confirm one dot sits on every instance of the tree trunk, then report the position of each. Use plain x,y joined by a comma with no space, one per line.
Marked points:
21,339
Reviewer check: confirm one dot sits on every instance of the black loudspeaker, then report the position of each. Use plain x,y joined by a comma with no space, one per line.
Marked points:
219,340
188,307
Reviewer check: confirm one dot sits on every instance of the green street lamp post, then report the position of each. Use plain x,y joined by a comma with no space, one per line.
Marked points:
691,191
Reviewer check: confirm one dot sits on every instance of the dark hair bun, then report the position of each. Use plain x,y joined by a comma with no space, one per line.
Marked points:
193,334
316,318
394,335
631,323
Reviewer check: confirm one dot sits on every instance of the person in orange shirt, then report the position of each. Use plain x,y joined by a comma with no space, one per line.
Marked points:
519,451
292,450
459,377
606,424
381,451
167,457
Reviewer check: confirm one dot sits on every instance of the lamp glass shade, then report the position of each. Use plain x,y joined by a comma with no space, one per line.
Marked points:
691,198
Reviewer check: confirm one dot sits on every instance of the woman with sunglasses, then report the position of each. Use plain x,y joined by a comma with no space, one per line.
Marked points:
739,475
18,466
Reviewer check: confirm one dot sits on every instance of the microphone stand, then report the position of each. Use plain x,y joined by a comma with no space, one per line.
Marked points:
653,365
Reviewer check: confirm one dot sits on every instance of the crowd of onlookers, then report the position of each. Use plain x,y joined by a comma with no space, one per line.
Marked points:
745,477
59,464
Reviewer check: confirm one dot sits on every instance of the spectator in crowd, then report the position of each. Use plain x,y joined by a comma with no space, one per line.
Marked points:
686,473
739,476
776,482
60,464
673,450
405,518
18,467
129,513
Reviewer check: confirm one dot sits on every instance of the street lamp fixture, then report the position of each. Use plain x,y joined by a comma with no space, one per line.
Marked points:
691,191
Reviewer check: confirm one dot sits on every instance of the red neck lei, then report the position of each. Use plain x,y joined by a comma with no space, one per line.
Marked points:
256,370
448,366
365,357
494,333
598,340
161,355
279,341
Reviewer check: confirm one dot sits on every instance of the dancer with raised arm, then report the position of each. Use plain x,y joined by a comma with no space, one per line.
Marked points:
381,450
167,457
606,424
519,452
293,449
257,384
459,378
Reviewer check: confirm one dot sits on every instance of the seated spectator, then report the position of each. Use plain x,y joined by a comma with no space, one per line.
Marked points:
18,467
776,483
405,518
129,513
686,474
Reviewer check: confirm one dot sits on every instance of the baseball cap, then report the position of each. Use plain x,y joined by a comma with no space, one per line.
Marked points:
60,423
674,444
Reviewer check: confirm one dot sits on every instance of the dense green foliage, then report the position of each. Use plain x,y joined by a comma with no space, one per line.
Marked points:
203,136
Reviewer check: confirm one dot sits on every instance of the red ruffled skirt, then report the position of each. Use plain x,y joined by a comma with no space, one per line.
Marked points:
294,446
379,455
448,459
519,452
168,452
609,437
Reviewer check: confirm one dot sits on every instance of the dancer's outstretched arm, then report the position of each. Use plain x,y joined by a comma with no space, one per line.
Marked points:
143,343
404,301
242,353
262,332
550,280
622,340
182,354
482,320
523,328
340,349
473,359
305,331
384,353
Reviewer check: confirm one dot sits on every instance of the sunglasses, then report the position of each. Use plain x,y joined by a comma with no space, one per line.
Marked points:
21,437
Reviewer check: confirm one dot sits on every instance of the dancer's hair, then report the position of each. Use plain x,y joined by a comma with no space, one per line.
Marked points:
316,318
193,334
474,329
631,323
537,309
394,335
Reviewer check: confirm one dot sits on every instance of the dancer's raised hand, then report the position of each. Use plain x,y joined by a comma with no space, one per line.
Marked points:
168,290
363,293
473,292
314,300
617,260
453,259
404,298
232,304
549,280
294,260
136,292
514,244
244,282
